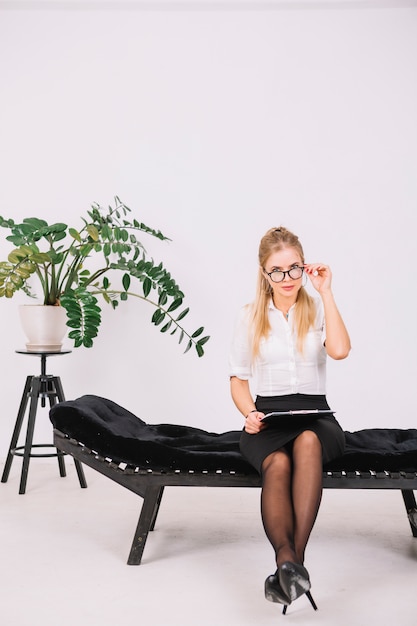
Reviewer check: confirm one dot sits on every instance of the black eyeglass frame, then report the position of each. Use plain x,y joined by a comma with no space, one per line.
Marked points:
284,272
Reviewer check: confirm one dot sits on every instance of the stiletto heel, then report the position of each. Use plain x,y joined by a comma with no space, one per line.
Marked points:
310,597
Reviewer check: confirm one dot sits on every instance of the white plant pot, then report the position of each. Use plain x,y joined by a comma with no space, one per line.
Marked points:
44,327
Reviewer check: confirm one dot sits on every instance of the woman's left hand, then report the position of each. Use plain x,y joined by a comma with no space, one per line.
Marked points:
320,276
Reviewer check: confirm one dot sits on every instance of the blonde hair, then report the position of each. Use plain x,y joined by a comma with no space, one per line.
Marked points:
275,240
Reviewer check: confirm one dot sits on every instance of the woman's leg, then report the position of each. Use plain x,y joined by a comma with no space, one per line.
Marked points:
277,506
306,488
290,500
291,496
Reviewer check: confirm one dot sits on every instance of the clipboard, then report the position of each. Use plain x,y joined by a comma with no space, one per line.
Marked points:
276,415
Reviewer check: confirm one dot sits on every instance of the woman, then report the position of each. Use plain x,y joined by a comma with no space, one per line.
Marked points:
281,341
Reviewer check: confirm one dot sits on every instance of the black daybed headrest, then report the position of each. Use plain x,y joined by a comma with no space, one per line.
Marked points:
114,432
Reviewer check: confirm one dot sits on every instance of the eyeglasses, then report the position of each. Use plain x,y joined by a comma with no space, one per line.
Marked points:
277,276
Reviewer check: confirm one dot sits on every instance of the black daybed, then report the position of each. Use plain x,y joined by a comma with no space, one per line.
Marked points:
146,458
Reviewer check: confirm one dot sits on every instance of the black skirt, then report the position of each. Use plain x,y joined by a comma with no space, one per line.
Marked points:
255,448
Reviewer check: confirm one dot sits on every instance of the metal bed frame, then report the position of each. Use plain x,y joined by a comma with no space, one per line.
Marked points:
150,484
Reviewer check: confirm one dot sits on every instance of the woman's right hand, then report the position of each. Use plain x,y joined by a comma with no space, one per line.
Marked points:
253,423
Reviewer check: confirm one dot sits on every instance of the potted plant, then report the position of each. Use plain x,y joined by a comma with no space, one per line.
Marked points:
74,267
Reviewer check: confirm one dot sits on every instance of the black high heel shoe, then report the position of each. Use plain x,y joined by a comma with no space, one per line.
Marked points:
274,592
294,580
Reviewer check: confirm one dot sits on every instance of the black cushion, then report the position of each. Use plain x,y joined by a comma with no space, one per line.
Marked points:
114,432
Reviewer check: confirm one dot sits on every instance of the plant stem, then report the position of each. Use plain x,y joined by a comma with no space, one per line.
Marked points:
155,304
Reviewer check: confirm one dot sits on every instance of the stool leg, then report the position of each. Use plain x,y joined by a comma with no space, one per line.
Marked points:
17,428
36,386
59,397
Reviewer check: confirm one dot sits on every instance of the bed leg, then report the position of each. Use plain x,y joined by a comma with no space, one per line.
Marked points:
148,513
411,508
80,473
156,511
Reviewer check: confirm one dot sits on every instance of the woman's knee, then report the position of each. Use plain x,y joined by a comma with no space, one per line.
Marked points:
279,462
307,441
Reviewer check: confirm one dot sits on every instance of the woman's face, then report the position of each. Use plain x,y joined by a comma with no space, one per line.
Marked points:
287,259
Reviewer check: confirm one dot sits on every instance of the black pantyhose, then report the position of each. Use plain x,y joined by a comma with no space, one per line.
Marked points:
291,496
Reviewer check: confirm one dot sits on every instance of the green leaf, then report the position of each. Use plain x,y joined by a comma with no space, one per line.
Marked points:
126,282
20,253
34,223
75,234
56,229
147,286
93,232
189,345
177,303
106,232
158,317
40,257
22,271
16,280
197,332
59,236
182,314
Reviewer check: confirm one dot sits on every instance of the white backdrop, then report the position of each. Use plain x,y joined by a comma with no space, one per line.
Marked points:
214,122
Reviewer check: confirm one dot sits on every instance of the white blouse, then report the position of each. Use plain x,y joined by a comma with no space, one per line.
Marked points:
280,368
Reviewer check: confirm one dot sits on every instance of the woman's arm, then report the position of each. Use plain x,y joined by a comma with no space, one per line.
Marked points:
243,400
337,338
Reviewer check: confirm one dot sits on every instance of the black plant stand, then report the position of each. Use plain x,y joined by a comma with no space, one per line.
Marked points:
43,386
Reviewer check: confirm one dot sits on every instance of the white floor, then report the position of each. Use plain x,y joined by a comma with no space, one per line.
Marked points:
64,552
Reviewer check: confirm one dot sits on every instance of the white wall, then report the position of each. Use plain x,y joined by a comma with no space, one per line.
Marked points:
214,122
